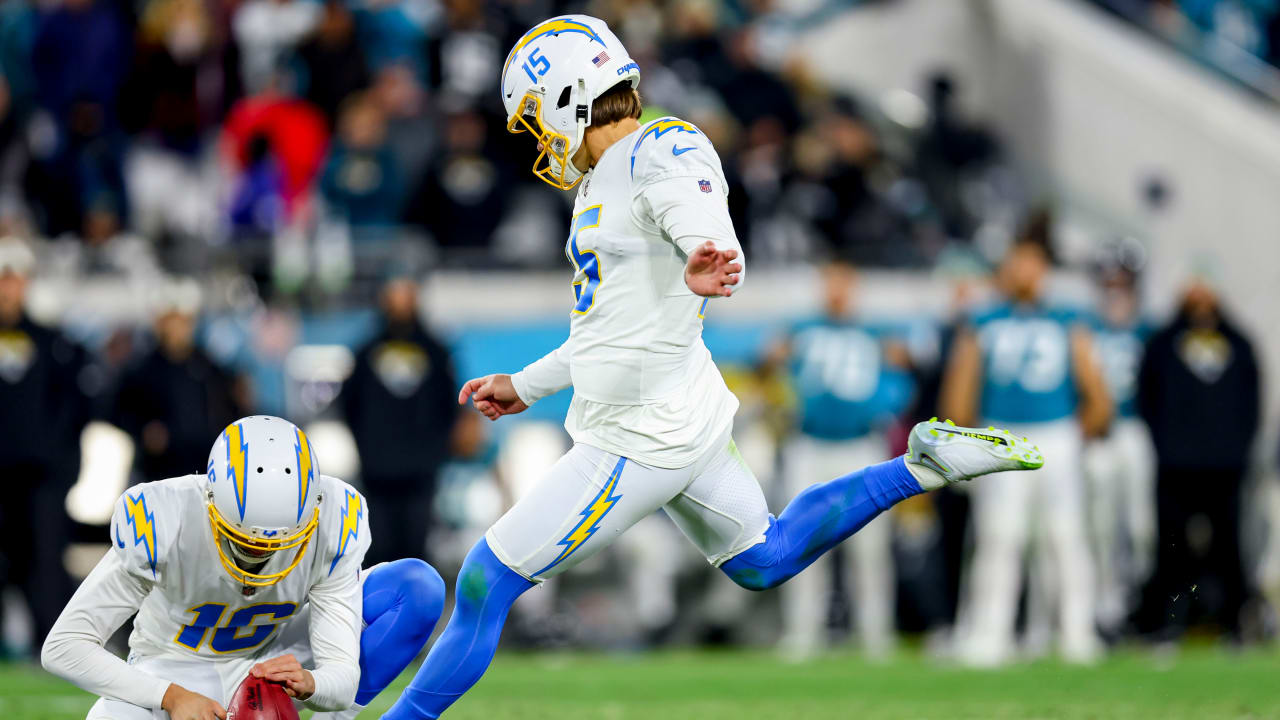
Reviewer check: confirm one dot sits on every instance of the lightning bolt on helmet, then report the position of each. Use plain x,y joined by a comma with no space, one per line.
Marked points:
549,81
263,498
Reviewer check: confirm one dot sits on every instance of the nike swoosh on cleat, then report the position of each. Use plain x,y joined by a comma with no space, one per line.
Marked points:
677,150
929,462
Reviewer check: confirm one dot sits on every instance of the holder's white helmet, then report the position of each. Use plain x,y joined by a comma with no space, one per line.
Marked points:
549,81
263,496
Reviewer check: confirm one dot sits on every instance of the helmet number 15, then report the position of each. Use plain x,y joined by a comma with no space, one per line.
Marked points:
540,62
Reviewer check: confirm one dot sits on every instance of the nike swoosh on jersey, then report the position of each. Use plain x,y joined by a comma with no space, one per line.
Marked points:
677,150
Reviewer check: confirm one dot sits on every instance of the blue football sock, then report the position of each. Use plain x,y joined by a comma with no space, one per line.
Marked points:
818,519
402,602
486,589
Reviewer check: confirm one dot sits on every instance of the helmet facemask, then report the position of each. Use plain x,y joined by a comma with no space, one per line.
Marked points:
244,556
554,164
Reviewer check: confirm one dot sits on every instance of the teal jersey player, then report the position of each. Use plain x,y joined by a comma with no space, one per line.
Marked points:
1119,350
1027,361
845,386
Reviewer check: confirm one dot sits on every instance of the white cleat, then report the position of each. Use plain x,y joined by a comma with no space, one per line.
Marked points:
940,453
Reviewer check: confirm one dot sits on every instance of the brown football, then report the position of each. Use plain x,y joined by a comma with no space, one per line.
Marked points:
259,699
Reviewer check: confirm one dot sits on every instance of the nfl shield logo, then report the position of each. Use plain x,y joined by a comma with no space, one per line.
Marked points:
704,186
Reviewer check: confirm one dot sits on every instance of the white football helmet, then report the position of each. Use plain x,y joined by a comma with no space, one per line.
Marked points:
549,81
263,496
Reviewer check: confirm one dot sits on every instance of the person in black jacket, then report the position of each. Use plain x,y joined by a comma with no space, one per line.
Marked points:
401,403
175,397
42,411
1198,390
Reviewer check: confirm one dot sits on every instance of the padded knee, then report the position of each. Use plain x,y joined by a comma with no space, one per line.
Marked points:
761,566
755,578
423,592
411,587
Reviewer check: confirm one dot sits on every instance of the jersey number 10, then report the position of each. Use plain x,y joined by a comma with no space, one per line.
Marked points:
239,632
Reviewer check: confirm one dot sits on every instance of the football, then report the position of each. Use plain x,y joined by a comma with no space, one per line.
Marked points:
259,699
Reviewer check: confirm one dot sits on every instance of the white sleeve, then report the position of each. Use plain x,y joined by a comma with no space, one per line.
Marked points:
74,648
545,376
689,216
336,607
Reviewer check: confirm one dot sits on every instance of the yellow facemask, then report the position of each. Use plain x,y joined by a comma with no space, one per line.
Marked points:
224,530
553,144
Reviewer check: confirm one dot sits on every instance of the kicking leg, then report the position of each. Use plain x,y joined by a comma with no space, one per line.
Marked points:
824,515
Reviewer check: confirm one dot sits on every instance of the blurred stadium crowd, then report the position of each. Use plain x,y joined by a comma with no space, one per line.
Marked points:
324,155
1250,27
245,130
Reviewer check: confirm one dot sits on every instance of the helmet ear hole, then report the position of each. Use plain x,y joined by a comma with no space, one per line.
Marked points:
259,469
288,471
564,98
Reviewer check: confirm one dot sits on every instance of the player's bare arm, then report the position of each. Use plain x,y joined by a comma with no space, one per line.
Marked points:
1096,406
493,395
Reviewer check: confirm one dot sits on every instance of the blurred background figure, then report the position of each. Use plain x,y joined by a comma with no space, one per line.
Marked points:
953,152
1028,365
401,403
42,411
80,55
966,277
1198,391
362,182
267,31
465,189
334,60
1120,465
175,397
852,382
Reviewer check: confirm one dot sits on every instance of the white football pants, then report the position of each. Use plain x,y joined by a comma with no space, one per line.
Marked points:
1121,472
1047,507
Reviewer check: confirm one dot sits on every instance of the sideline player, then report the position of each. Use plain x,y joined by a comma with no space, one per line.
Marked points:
1121,465
651,242
1028,363
254,566
851,380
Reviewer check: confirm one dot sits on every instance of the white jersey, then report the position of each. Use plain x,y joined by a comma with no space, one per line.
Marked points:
644,384
164,565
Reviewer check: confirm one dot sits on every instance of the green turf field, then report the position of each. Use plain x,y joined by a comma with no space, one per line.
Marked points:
1204,684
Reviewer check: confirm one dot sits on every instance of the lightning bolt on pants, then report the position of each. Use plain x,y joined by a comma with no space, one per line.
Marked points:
486,590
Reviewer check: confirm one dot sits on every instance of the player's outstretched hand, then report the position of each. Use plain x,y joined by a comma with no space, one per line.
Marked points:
182,704
493,395
286,670
711,272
